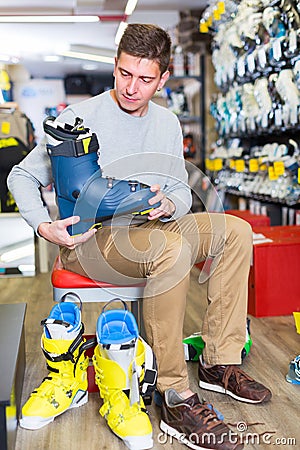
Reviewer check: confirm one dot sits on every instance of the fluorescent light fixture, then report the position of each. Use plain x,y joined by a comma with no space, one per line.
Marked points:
89,57
130,7
49,19
89,53
120,31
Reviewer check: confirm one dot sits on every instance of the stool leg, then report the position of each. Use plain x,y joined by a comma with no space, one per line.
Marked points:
134,306
137,311
142,327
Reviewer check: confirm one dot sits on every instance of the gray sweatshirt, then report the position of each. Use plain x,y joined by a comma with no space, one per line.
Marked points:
148,149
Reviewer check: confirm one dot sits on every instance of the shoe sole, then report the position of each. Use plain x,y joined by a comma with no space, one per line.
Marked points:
292,380
137,442
180,436
221,390
35,423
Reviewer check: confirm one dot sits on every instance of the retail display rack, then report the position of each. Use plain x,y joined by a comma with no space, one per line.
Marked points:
256,57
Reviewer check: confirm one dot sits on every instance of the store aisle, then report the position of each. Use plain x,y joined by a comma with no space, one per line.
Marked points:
275,343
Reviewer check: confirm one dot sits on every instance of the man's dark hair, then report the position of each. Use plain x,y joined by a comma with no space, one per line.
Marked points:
147,41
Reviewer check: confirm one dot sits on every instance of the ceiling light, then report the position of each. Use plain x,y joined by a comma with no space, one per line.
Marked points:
130,7
90,53
89,57
48,19
120,31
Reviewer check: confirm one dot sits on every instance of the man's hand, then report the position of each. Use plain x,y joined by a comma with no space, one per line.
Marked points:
166,208
57,233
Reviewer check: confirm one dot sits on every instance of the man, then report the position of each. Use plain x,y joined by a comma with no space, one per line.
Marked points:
141,140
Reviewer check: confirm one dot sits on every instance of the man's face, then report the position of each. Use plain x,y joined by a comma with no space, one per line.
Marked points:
136,80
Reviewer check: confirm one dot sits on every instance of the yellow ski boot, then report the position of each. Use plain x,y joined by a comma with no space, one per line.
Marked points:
66,385
125,371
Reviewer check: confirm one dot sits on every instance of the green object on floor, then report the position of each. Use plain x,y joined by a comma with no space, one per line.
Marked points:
194,345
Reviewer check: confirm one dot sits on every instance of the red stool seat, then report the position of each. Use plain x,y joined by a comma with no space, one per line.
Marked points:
64,281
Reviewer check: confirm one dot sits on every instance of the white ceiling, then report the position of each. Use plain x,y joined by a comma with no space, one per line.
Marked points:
31,42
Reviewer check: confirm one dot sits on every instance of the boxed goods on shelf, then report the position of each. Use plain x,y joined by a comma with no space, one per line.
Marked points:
257,220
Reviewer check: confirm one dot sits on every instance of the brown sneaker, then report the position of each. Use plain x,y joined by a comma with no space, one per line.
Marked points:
233,381
195,424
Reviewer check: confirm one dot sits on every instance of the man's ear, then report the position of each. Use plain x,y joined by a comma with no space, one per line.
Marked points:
163,79
115,66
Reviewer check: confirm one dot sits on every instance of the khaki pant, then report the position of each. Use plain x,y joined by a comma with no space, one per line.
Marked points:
163,253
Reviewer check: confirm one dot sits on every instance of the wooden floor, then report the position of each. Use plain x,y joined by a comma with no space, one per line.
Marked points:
275,343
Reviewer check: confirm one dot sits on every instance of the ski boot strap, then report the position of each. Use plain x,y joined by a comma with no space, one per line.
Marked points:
148,384
68,355
75,139
75,148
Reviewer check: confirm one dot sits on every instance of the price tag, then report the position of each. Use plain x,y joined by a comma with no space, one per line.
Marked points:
221,7
203,28
240,165
279,168
232,164
272,174
210,164
253,165
217,15
207,163
5,127
218,164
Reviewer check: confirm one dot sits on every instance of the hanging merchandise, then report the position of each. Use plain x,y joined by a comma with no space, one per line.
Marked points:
12,151
177,100
256,56
5,86
15,123
256,39
16,141
267,171
189,149
178,62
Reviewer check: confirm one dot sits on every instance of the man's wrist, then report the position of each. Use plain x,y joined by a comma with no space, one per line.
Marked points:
41,228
